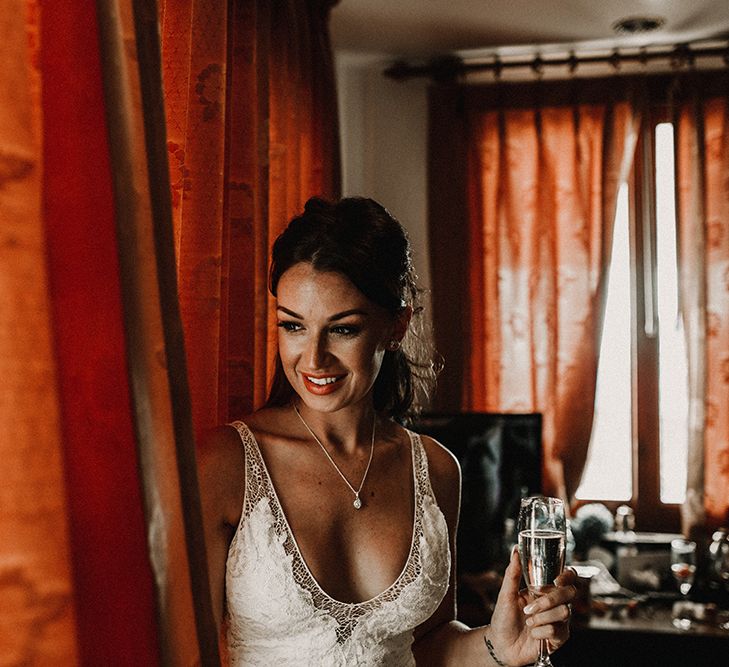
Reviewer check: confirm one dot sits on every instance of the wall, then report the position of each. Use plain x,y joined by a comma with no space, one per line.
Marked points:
383,127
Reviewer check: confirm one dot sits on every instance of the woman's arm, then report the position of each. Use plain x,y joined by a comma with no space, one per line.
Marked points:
221,475
516,627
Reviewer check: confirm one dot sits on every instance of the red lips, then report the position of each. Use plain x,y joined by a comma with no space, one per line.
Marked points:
321,389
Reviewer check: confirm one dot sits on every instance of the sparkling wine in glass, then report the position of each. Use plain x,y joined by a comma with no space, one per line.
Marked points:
542,536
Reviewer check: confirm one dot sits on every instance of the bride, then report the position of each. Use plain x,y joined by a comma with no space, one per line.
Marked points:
330,528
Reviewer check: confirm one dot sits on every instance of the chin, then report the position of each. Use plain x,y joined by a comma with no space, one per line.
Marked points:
326,403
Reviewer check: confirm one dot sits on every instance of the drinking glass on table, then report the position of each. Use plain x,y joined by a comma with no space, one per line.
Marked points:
542,535
683,564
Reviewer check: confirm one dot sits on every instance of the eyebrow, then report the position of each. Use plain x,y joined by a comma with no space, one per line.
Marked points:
336,316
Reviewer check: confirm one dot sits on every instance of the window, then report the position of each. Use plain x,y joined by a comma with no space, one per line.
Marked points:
638,450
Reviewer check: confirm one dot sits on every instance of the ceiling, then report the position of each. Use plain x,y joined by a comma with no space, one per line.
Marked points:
427,28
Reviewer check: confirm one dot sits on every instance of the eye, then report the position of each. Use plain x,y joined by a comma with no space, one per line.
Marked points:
289,326
345,330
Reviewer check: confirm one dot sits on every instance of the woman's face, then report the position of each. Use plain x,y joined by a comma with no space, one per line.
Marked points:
331,337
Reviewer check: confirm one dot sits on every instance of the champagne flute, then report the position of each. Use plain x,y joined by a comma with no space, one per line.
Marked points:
542,536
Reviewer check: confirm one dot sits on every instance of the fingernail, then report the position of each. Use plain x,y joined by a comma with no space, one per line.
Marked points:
530,622
529,609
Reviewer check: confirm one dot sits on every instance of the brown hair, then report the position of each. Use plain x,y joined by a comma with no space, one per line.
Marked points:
360,239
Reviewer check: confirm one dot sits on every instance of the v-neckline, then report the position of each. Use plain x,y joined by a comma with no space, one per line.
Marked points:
292,537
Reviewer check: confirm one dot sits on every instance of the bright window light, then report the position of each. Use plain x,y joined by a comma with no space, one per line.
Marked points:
673,371
608,472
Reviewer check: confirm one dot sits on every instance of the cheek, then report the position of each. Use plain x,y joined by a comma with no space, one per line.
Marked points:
375,362
288,354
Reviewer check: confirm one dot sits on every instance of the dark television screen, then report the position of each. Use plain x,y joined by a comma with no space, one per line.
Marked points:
501,458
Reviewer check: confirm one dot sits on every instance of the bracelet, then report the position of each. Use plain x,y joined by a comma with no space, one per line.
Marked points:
492,653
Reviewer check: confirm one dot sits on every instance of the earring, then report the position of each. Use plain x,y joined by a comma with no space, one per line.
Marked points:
393,345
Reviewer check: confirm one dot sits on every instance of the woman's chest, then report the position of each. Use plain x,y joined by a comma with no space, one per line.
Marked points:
354,554
372,575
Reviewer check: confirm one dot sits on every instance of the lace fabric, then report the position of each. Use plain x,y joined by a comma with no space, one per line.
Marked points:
277,612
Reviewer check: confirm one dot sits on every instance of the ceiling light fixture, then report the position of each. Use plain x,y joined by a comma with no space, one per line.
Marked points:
634,25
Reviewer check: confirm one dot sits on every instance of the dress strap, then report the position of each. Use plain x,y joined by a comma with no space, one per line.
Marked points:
420,467
257,482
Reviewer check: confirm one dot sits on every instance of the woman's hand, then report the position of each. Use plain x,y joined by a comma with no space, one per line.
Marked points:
518,624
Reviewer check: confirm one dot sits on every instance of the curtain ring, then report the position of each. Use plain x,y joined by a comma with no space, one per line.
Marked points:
681,56
643,56
538,66
614,60
572,62
498,66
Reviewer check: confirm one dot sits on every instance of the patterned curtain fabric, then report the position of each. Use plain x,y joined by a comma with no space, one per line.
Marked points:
76,582
252,133
541,191
702,147
93,567
37,615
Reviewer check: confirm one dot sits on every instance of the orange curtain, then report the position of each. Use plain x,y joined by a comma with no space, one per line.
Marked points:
702,147
93,565
37,615
252,133
93,568
541,188
76,581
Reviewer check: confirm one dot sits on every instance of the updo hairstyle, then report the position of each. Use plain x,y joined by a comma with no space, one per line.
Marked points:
360,239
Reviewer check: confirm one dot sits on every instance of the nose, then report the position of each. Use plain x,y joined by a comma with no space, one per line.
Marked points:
316,352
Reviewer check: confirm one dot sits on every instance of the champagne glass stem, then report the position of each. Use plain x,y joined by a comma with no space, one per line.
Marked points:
543,657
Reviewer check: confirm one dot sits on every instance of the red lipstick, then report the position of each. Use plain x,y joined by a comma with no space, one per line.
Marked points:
321,389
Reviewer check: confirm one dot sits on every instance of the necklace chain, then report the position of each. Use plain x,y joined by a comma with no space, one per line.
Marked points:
357,501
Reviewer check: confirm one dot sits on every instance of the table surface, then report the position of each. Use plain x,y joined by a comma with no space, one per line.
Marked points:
656,618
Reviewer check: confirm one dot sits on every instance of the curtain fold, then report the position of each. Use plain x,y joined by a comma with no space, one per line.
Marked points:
163,428
37,598
541,190
116,603
93,567
701,126
252,130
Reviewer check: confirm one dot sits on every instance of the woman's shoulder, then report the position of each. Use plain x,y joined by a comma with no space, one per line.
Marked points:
445,476
441,461
269,423
221,442
268,416
221,474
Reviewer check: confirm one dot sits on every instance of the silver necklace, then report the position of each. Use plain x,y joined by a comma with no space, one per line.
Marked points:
357,500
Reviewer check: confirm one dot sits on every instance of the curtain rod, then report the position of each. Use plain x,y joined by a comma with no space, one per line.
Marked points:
448,68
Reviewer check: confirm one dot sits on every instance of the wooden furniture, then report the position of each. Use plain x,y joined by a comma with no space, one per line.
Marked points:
646,639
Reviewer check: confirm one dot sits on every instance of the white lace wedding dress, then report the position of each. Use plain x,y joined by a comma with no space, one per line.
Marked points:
279,615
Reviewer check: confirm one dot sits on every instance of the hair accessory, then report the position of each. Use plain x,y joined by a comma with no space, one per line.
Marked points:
357,500
492,653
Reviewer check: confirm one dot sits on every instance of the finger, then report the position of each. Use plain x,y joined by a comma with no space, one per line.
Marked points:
555,633
512,577
558,614
567,578
557,596
554,644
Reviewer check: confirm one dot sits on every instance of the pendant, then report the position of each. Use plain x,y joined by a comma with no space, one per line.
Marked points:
357,503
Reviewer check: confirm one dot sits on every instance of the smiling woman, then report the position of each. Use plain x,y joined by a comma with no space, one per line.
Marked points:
328,352
329,526
375,258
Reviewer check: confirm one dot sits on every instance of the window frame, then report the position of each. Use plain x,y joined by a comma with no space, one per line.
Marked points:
651,514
